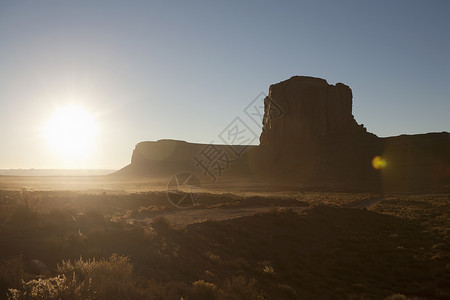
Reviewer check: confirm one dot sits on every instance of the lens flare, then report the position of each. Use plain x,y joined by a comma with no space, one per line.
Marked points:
378,163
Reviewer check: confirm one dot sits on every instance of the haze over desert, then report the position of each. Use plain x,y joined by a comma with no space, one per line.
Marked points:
228,150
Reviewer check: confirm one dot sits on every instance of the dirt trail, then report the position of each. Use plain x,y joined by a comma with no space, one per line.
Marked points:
182,217
365,203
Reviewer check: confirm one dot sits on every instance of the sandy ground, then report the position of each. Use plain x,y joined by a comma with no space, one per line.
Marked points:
183,217
367,244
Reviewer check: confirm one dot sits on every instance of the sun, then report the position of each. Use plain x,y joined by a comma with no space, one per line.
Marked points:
71,132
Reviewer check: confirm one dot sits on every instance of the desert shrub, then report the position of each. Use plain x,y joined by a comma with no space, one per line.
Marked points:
203,290
110,278
276,211
273,211
241,288
58,287
213,257
268,269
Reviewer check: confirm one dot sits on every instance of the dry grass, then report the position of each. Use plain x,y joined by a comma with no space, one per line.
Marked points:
344,246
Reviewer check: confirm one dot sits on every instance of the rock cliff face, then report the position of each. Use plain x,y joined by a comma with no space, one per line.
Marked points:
307,108
310,136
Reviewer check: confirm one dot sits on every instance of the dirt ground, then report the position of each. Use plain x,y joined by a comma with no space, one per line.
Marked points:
266,244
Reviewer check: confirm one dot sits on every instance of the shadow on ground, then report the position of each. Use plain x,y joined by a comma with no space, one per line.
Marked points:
321,252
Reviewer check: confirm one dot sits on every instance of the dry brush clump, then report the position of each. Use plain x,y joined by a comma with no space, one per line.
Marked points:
113,278
110,278
238,287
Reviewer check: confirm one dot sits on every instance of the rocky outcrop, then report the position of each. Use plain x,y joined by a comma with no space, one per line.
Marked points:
310,136
307,108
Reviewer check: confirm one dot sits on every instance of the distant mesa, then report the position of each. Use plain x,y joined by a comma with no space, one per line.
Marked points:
166,158
309,139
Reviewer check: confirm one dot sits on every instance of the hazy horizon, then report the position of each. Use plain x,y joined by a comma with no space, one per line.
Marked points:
55,172
145,71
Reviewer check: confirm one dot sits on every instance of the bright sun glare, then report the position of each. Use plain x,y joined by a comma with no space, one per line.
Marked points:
71,133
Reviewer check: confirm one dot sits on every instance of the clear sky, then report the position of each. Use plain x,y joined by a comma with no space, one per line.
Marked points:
148,70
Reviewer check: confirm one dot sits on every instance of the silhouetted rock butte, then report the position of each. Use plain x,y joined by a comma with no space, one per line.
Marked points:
310,139
310,136
310,108
166,158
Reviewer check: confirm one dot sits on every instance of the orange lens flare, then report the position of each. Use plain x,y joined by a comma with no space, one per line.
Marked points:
378,163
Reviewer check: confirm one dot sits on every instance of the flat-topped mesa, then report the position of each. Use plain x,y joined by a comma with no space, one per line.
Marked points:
165,158
307,108
156,151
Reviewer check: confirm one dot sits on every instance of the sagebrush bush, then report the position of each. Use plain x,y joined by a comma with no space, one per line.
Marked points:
203,290
110,278
58,287
241,288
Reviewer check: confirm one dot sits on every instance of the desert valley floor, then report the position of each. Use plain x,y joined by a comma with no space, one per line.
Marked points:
78,237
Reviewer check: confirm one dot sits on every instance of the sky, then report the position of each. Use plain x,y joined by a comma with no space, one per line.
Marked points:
150,70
